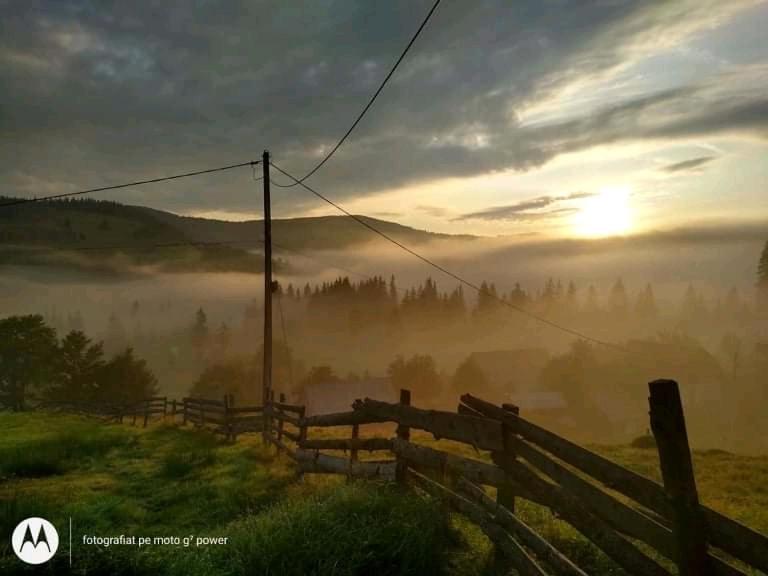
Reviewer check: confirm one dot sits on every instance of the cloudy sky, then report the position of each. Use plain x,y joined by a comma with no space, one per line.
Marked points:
555,118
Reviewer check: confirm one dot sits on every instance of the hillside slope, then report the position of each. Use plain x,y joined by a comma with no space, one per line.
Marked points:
83,232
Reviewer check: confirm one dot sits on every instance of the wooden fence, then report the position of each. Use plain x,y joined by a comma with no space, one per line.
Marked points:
634,520
225,417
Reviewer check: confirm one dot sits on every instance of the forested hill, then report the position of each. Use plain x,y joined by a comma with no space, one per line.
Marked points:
30,233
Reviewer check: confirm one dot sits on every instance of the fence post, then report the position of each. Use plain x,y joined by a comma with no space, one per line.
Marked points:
280,423
202,414
146,412
184,412
505,496
353,451
165,406
230,427
668,426
302,431
403,433
270,430
225,424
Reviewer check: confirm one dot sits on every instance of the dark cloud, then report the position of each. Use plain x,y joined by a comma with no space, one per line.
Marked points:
688,165
96,94
523,210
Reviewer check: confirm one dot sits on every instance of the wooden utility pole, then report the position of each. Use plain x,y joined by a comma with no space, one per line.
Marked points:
267,367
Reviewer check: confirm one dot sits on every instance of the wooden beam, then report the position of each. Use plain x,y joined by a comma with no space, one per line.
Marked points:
506,544
570,509
562,565
635,486
482,433
313,461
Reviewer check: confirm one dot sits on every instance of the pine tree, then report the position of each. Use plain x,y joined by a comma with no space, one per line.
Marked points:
619,302
646,303
392,290
200,329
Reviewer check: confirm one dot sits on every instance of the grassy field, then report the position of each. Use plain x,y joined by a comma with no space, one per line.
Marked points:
168,481
172,481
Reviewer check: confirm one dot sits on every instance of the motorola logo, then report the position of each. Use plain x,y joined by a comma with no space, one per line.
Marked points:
35,540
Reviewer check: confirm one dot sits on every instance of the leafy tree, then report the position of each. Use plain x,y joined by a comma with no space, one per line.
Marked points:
27,346
320,375
126,379
234,377
78,368
418,374
469,377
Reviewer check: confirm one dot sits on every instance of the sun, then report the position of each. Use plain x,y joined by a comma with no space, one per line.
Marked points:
608,213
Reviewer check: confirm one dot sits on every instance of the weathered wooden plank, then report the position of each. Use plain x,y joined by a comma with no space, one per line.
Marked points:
570,509
482,433
369,444
340,419
467,411
635,486
291,435
506,544
245,409
206,401
278,415
738,540
559,562
423,456
288,407
618,514
313,461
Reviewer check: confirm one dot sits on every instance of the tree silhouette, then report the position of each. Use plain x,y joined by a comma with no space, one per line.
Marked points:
27,346
469,377
77,368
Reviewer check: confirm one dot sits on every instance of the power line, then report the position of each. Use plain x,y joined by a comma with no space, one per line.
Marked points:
447,272
129,184
370,102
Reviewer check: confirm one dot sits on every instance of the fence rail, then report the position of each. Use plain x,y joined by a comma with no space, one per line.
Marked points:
634,520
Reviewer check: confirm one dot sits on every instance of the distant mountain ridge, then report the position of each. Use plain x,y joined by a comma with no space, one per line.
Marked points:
82,225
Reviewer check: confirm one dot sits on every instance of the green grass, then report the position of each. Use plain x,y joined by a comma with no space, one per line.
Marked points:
173,481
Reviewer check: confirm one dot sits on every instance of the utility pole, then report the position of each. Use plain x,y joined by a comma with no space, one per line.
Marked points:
267,369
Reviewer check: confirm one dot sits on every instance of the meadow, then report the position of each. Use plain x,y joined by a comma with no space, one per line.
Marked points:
169,481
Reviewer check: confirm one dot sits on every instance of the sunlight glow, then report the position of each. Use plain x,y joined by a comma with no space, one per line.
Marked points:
608,213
